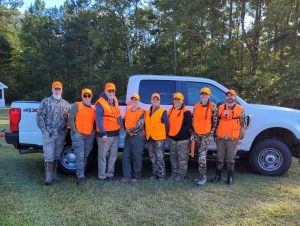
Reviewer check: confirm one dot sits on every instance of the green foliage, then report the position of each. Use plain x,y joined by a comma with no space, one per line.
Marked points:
87,43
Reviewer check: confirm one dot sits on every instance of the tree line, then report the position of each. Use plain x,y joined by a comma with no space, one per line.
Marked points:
249,45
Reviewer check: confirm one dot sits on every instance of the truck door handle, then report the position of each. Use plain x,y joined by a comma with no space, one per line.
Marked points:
248,121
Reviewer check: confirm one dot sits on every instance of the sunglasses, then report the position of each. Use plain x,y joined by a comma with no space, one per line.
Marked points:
133,99
177,99
111,91
155,99
87,95
57,89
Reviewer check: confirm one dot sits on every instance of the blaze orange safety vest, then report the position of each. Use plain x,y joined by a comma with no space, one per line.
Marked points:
202,121
85,118
131,117
111,115
229,122
153,125
176,119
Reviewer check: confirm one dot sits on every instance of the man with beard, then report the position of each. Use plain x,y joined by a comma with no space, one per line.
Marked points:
108,124
230,132
52,120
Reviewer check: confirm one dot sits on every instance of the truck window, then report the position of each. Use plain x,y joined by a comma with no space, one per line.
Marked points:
193,93
165,88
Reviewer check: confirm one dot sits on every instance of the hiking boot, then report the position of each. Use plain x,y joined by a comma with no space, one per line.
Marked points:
48,173
179,178
153,178
230,167
202,180
125,179
134,180
173,176
80,182
219,167
55,165
112,178
161,178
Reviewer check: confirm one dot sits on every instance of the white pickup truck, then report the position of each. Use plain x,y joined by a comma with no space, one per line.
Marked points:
272,135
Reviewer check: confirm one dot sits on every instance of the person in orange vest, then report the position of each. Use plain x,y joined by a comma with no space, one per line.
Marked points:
205,120
157,127
134,141
82,118
180,132
229,133
108,124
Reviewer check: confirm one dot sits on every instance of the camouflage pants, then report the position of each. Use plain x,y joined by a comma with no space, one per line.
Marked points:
82,145
53,146
179,157
157,154
202,141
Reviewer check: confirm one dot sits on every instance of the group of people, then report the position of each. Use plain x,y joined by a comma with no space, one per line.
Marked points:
225,124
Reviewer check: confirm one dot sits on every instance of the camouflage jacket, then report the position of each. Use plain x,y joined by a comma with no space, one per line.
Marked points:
52,116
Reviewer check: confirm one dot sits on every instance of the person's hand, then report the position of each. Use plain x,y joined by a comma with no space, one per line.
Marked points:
239,141
104,138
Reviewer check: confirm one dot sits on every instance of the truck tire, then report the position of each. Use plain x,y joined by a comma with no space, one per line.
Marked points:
270,157
67,163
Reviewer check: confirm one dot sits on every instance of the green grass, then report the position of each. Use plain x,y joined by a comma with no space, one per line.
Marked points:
252,200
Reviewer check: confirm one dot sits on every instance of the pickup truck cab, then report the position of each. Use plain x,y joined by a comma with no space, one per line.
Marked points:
272,135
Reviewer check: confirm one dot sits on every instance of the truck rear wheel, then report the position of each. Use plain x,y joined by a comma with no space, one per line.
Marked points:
270,157
67,163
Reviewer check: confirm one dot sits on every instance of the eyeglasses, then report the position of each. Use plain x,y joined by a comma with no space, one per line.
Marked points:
111,91
57,89
133,99
87,95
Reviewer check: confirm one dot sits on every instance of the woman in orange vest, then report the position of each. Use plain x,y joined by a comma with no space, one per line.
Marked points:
180,133
134,141
230,132
204,123
108,124
82,118
157,127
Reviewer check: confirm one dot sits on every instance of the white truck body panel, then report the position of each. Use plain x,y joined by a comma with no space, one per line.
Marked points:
262,117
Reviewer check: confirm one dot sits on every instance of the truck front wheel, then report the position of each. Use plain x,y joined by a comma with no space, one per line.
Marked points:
270,157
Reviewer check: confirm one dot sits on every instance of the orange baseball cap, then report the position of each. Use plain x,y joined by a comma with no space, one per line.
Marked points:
205,90
110,86
155,95
231,91
178,96
56,84
86,90
136,96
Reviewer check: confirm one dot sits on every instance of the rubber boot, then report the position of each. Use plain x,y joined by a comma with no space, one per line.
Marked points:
230,167
55,164
219,167
48,173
